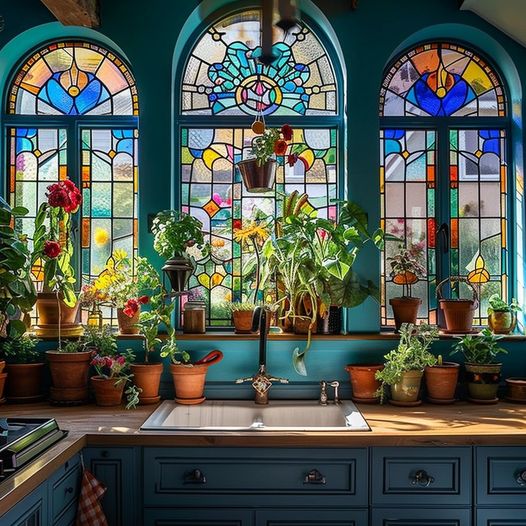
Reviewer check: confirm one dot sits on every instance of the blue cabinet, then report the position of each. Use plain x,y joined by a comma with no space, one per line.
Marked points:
63,492
421,517
312,517
31,511
197,517
500,517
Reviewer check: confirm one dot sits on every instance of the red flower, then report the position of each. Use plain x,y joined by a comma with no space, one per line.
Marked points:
52,249
64,195
57,196
143,300
292,158
131,308
286,131
280,147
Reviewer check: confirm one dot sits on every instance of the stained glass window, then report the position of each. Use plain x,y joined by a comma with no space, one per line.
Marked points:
465,194
68,82
223,76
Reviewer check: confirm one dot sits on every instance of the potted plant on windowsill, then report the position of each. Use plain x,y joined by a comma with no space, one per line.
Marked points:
480,352
502,316
458,313
404,366
406,270
51,258
175,233
242,313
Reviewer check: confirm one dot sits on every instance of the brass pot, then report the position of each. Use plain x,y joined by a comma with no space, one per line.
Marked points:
502,322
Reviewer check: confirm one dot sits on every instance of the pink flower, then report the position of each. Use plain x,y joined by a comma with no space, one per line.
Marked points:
121,360
217,198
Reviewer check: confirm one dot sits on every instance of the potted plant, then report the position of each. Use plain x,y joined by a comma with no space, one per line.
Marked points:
24,367
404,366
242,313
482,370
52,253
188,378
458,313
259,172
365,386
175,232
441,381
406,270
502,316
17,292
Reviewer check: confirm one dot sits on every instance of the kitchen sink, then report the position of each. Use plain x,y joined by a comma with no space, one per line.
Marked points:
244,415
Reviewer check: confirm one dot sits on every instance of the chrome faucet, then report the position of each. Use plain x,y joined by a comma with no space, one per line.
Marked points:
261,381
324,399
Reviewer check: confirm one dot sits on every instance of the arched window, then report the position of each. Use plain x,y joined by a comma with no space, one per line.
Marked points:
71,111
443,175
223,86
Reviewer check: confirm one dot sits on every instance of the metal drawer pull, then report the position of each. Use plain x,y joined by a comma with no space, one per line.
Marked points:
195,477
314,477
69,489
422,479
521,478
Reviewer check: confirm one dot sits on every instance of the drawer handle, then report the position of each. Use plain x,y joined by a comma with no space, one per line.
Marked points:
521,478
314,477
421,478
69,489
195,477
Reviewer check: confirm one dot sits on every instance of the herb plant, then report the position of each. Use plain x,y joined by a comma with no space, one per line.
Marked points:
497,304
406,268
480,349
102,340
20,350
171,351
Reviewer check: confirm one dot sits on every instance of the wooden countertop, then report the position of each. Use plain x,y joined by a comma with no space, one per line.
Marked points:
426,425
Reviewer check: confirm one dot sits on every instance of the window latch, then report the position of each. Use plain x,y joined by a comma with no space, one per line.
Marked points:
443,238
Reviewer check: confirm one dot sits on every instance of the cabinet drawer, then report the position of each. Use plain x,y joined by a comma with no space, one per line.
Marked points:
197,517
312,517
423,517
421,476
501,475
65,486
284,475
68,516
499,517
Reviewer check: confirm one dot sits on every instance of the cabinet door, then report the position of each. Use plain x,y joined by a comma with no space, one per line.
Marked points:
197,517
496,517
312,517
30,511
118,468
421,517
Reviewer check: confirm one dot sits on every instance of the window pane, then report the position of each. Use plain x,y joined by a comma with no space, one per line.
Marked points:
477,181
407,185
212,191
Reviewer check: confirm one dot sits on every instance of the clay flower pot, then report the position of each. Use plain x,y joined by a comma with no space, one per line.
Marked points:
24,382
502,322
50,315
441,382
147,376
107,394
483,382
2,366
458,313
3,378
258,178
301,326
69,376
406,391
516,389
243,321
363,382
405,310
127,325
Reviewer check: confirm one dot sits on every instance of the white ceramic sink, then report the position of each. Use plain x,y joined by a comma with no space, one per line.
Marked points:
244,415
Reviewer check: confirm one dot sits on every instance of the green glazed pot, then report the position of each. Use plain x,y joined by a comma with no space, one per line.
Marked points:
483,380
408,388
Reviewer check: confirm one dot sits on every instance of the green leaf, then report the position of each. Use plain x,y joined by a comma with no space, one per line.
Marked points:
16,328
19,211
378,238
298,361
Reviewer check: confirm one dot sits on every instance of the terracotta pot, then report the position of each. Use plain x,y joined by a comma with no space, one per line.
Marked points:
178,270
3,378
441,382
301,326
407,390
48,310
107,394
516,389
69,375
363,382
405,310
2,366
147,376
458,315
243,321
127,324
483,381
24,382
258,178
502,322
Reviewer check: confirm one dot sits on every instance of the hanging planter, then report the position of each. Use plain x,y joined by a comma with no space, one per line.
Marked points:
258,178
458,313
178,270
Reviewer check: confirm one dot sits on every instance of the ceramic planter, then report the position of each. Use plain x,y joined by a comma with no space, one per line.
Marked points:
50,315
69,376
127,325
147,377
516,390
458,313
405,310
441,382
258,178
178,270
406,391
2,366
243,321
502,322
107,393
363,382
301,326
483,382
24,382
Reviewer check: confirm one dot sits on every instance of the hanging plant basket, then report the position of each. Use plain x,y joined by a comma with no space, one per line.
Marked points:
178,270
458,313
258,178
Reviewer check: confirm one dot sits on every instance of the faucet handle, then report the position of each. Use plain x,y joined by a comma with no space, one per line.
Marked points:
280,380
323,392
243,380
335,384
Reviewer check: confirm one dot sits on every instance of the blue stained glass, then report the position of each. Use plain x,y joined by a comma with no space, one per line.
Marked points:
394,134
125,145
392,147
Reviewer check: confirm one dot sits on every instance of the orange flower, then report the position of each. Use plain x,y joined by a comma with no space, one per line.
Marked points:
280,147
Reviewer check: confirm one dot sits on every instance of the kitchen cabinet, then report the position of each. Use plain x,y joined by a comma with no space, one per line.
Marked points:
31,511
421,517
197,517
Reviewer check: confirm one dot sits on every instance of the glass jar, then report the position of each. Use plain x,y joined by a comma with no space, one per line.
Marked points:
95,317
194,317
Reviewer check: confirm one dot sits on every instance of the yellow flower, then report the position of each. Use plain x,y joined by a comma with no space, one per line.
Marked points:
101,236
119,254
253,231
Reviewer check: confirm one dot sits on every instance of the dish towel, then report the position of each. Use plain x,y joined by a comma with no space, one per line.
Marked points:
90,511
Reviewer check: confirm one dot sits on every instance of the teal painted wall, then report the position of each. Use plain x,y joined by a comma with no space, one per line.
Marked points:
147,35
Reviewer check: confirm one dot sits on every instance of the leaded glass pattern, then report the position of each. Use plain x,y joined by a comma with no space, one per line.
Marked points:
478,204
408,201
442,79
212,191
223,76
73,78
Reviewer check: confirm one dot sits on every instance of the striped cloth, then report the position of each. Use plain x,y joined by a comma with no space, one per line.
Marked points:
90,511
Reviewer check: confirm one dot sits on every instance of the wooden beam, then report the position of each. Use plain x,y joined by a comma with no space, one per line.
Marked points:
75,12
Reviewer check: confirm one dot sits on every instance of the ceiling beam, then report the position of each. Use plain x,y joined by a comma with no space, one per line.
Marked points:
75,12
